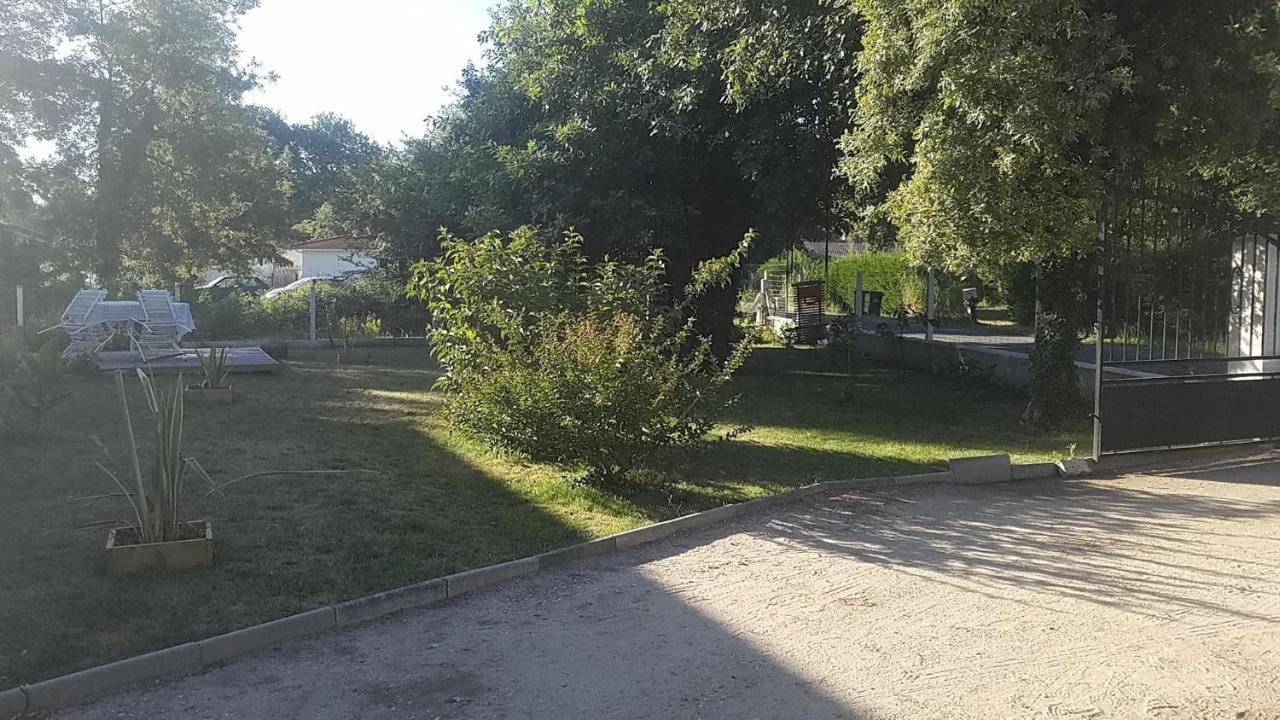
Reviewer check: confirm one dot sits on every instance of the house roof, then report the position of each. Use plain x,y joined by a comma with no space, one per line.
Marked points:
339,242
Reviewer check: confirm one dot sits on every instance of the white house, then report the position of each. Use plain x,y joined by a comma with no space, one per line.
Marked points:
330,257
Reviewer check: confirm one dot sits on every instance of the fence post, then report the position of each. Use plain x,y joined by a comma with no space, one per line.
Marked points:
311,302
857,298
17,290
1098,329
928,305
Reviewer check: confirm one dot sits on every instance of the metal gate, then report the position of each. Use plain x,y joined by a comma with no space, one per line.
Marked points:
1187,340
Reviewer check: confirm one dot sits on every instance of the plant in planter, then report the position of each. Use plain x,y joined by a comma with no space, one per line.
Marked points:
159,535
214,370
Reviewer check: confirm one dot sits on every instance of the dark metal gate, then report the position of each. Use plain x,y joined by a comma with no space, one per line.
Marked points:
1188,328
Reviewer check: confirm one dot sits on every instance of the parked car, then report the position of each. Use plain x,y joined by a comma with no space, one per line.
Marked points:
302,283
224,285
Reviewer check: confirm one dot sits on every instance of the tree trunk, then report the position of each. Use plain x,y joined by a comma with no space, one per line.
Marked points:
107,223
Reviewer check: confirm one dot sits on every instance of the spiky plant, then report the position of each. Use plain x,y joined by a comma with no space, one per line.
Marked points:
214,368
155,496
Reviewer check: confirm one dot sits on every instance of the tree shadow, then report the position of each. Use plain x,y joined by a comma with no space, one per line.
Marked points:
1140,551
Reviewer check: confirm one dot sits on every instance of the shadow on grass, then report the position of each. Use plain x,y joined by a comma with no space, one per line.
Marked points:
287,545
439,505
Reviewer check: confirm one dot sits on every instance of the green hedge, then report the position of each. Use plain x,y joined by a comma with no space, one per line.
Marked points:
889,273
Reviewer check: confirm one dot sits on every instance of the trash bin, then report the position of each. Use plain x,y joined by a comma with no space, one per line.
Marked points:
873,302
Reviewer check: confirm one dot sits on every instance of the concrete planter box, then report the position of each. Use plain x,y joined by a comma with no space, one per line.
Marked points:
210,396
124,558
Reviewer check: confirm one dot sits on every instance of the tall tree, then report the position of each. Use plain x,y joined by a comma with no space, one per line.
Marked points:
143,100
326,158
641,124
1018,120
1018,117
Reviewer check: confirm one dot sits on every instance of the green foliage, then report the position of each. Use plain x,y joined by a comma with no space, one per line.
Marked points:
1015,119
155,496
326,159
37,382
353,328
160,168
214,368
237,316
881,272
903,286
1055,386
585,366
638,124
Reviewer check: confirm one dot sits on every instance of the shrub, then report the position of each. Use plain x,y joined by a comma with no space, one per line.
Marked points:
247,315
587,367
1055,398
902,285
36,382
881,272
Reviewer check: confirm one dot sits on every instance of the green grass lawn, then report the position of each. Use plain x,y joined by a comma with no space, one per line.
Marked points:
439,504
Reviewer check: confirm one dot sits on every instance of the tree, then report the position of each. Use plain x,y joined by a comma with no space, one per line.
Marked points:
634,123
1018,121
143,100
326,159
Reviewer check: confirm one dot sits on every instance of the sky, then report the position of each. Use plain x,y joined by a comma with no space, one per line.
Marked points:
384,64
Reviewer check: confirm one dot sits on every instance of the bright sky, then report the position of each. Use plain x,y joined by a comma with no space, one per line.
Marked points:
385,64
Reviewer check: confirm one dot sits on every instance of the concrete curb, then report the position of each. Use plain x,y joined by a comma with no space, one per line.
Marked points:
369,607
193,656
13,701
473,580
67,689
239,642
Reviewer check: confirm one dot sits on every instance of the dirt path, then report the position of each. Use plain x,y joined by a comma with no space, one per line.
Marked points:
1142,597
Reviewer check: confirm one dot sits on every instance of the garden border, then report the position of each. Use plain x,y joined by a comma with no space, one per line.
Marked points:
191,657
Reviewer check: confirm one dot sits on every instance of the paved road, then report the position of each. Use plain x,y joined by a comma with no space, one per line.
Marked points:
1153,596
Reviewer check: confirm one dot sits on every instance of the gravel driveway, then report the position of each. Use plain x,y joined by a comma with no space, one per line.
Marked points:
1145,596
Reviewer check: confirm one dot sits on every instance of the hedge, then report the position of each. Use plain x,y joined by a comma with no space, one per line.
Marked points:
889,273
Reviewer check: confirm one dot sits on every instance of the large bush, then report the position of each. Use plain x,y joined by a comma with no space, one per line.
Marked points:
592,368
247,315
903,286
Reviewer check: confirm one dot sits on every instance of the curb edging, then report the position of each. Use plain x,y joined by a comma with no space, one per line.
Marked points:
191,657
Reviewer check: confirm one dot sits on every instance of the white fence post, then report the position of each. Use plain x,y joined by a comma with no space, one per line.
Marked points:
18,295
312,309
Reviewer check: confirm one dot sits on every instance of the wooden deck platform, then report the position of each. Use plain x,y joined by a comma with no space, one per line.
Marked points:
241,360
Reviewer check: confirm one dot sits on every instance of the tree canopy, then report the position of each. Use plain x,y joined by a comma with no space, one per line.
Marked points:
1016,118
159,169
643,125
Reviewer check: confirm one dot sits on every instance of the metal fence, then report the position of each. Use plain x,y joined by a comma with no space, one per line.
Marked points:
1188,333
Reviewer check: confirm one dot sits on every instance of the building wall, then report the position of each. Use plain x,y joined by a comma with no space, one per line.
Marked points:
329,263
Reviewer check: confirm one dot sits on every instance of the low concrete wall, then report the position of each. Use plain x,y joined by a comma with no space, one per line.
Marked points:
1007,368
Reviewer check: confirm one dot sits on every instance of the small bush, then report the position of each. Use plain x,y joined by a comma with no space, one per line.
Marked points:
586,367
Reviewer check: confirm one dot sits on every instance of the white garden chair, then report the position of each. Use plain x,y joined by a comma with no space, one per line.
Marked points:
157,335
87,336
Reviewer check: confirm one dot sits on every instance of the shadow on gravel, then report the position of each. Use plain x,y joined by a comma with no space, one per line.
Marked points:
1151,553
